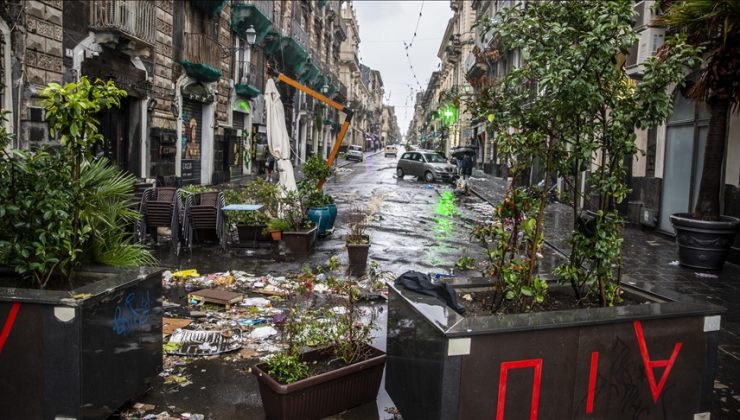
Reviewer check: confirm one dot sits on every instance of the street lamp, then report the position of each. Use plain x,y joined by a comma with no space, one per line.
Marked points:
251,36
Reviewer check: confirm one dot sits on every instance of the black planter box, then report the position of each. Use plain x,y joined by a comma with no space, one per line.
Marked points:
653,360
80,354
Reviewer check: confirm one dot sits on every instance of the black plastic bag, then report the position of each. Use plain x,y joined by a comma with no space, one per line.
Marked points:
420,283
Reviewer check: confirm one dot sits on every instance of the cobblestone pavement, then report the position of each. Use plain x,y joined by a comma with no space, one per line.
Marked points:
651,258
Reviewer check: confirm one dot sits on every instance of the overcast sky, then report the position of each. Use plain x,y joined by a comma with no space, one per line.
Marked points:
384,26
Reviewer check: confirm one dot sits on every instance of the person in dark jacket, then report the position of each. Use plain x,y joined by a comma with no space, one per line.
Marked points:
467,170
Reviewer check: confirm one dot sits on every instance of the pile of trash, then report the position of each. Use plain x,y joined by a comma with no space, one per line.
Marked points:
236,312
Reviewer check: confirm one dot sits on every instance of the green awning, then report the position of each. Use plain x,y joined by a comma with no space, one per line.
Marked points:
245,14
309,73
210,7
318,82
247,91
201,72
272,42
323,3
293,55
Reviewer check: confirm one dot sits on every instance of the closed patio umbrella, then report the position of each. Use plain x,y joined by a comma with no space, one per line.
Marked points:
277,136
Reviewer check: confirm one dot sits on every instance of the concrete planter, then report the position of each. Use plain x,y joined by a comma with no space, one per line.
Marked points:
325,394
654,360
80,354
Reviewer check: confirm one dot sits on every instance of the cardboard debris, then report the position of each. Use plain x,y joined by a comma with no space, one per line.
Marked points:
169,325
218,297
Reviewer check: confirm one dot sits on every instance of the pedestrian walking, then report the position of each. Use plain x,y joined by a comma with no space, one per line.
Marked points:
269,167
467,170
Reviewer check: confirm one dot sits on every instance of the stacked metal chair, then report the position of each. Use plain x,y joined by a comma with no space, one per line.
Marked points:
204,219
160,207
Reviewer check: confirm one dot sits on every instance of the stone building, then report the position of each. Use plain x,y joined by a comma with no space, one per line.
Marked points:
194,71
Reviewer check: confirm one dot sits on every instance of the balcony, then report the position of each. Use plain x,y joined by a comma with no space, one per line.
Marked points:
342,91
249,86
210,7
252,13
292,56
202,58
299,34
474,66
341,27
272,42
136,20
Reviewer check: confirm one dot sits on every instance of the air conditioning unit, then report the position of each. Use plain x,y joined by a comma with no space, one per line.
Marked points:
643,13
650,40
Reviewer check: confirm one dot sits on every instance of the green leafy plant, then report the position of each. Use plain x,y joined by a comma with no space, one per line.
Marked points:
59,207
282,225
314,170
466,262
197,189
569,105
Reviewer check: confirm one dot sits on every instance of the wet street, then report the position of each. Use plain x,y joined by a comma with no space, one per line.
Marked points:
415,226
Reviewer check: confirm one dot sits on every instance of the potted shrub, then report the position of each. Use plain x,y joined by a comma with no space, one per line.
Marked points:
358,242
603,339
320,206
704,237
275,227
343,370
251,225
72,322
301,236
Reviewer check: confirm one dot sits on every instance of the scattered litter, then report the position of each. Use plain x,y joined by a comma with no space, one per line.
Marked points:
673,263
203,343
706,275
186,273
255,301
251,322
468,297
143,408
218,297
261,333
169,325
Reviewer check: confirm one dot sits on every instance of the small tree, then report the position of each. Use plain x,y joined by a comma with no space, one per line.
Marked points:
58,206
571,105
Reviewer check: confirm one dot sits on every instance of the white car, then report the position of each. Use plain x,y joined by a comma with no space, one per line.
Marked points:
354,152
391,150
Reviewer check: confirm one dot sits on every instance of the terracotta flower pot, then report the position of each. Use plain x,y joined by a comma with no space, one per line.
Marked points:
276,235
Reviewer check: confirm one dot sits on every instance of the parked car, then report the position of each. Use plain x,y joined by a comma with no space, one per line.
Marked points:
427,165
354,152
391,150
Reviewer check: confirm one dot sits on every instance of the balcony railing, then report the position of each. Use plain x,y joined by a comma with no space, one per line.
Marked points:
264,6
202,49
134,18
299,34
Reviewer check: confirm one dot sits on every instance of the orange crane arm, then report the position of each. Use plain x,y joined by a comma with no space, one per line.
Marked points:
336,105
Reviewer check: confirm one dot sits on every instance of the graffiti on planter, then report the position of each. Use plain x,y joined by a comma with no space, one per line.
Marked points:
132,314
656,388
9,324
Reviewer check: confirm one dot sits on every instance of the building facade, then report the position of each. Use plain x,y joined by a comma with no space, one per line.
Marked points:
194,71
